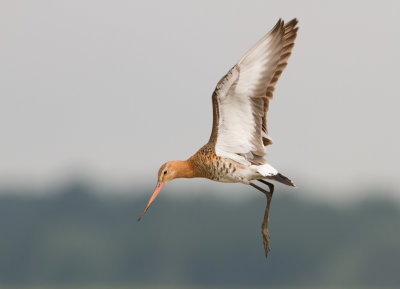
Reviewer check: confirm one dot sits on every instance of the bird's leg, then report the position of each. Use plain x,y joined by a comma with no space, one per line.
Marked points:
270,186
264,225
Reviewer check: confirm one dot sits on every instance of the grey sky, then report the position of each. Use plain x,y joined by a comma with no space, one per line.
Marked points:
116,88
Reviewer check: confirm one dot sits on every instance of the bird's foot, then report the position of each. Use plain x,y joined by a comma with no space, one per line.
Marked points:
265,235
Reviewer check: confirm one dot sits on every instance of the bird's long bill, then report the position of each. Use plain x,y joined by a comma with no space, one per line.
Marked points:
159,186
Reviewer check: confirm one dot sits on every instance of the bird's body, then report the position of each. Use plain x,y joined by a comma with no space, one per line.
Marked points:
211,166
235,152
205,163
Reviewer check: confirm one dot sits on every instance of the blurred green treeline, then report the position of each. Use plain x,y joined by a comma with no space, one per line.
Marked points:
77,236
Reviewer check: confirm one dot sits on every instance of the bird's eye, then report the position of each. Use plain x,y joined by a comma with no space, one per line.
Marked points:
165,172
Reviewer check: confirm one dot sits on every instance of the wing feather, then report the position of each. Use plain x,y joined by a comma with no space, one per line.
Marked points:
290,34
241,98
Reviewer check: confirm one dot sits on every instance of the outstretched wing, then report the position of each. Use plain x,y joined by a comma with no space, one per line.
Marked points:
241,98
290,34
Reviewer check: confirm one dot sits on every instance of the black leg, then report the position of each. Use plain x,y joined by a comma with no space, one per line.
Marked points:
264,225
270,185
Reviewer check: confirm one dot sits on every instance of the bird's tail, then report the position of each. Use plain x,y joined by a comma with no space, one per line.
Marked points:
271,173
282,179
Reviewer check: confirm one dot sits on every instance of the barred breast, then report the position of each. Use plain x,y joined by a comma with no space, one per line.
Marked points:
211,166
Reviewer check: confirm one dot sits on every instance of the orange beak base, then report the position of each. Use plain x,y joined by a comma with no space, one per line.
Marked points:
159,186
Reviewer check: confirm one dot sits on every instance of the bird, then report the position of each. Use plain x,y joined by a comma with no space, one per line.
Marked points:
236,150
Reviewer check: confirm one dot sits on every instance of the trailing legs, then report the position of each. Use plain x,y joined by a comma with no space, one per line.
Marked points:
264,225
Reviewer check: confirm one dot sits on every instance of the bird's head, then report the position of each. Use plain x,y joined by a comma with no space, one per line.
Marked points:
167,172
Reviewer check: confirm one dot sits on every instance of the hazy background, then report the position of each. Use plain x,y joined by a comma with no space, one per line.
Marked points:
115,88
104,92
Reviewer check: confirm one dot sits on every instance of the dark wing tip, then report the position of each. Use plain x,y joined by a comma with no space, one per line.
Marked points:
292,22
278,26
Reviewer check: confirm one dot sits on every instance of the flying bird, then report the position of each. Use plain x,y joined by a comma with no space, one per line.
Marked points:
235,152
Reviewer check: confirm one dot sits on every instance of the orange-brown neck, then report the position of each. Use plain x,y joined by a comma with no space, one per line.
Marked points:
183,169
